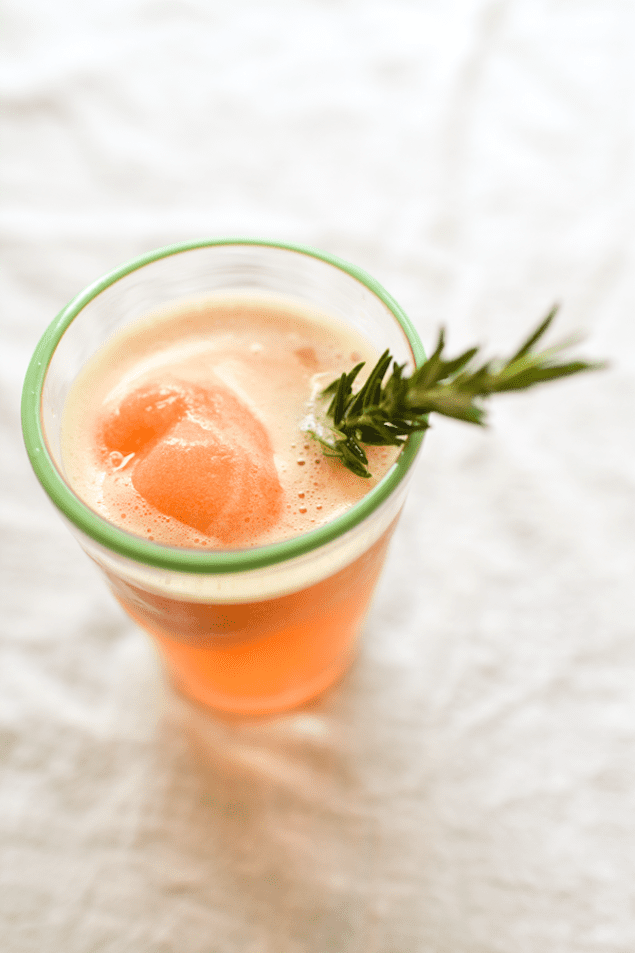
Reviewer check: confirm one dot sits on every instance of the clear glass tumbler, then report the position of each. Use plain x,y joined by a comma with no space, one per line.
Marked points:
253,630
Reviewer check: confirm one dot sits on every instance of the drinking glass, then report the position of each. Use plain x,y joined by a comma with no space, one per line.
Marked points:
246,631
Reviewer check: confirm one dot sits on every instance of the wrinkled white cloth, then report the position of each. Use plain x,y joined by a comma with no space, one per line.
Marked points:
470,785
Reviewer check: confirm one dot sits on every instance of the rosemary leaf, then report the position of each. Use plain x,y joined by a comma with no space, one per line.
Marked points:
385,414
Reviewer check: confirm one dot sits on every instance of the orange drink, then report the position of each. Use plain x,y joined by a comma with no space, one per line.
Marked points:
262,656
166,414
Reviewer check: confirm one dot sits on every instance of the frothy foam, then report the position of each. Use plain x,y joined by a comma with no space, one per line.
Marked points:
185,428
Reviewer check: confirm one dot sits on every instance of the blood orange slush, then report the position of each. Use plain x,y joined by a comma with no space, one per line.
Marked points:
181,463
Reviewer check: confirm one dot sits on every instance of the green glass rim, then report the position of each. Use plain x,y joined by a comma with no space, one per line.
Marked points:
180,559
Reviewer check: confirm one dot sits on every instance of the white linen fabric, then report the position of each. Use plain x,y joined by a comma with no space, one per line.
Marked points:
469,787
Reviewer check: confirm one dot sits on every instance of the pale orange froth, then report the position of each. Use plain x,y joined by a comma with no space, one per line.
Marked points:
186,428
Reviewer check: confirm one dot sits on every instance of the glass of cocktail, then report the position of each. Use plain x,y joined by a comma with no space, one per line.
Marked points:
256,567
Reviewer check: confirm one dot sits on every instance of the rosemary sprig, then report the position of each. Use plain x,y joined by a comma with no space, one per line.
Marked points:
385,414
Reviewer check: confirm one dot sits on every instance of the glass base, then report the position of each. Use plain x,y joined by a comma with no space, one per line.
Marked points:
263,705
